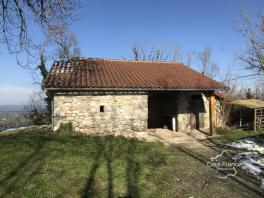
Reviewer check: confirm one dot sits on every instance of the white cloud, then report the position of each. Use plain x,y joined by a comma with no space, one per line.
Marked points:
15,95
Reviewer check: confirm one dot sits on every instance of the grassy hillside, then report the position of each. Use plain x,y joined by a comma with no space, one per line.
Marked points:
41,164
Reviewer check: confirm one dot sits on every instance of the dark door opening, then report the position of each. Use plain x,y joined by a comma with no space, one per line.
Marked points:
160,107
197,120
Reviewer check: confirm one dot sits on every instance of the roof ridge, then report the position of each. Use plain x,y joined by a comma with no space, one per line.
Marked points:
127,60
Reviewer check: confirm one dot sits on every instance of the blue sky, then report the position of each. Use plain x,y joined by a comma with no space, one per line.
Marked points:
107,29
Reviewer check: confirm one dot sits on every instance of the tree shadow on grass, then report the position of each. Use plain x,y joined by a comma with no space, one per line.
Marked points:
90,183
132,171
35,158
107,150
32,164
243,179
109,159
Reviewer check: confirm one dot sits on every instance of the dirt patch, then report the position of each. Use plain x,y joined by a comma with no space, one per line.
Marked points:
199,146
171,137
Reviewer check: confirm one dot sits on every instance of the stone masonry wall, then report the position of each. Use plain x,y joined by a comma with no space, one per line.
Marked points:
122,113
184,108
183,101
206,114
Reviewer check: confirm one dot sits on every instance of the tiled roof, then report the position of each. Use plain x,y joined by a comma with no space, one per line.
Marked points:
90,73
224,97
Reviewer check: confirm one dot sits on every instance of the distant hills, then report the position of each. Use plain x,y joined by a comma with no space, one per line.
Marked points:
11,108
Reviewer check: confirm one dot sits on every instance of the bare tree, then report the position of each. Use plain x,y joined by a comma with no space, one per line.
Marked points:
66,47
161,53
65,41
189,58
35,109
259,88
253,57
204,58
208,67
19,17
138,51
225,96
17,20
156,53
254,37
15,16
177,54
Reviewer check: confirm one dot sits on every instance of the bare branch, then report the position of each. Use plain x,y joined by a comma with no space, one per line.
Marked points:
161,53
16,15
246,76
208,67
254,36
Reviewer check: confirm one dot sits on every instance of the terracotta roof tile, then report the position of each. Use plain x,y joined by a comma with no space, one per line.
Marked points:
104,73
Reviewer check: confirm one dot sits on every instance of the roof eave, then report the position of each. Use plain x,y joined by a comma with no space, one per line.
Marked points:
131,89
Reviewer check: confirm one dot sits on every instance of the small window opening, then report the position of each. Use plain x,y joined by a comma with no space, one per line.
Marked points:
102,109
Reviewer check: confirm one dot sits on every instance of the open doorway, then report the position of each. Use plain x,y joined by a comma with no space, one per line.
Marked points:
162,107
197,116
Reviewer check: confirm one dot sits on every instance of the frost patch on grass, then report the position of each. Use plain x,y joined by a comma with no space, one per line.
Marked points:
250,161
252,157
250,144
26,128
262,184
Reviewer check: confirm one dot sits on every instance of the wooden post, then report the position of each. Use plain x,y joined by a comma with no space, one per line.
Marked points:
52,113
212,114
240,117
255,119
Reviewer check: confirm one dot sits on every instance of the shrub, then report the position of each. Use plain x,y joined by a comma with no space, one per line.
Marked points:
65,129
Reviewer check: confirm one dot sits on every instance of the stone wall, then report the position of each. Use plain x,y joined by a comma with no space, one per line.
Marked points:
206,114
185,109
183,102
122,112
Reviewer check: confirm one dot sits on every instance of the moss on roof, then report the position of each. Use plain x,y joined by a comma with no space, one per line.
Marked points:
249,103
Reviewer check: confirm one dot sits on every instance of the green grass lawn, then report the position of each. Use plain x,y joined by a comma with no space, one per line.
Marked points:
230,135
41,164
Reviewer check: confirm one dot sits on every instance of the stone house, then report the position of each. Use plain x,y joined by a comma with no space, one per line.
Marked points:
115,96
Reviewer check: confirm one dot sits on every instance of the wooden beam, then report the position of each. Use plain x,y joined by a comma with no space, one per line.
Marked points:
212,113
255,119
